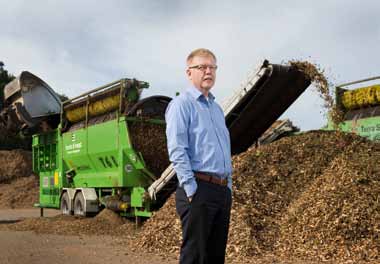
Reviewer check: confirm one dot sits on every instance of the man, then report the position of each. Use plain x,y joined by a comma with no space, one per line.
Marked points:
199,148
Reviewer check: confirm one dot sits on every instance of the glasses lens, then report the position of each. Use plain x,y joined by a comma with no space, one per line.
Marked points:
203,68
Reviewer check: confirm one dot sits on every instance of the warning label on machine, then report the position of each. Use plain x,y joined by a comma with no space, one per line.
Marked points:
73,148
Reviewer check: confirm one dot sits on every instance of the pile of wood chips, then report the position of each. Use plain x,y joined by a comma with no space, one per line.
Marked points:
15,164
162,232
314,196
150,140
338,215
19,193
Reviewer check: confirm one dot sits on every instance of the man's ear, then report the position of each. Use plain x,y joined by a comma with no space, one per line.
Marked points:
188,73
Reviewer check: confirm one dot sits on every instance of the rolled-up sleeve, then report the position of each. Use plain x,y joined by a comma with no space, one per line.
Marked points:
177,124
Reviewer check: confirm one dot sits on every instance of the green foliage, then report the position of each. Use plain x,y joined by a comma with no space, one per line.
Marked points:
5,78
9,141
63,97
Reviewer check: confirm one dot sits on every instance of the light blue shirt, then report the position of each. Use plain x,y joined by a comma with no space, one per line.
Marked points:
198,139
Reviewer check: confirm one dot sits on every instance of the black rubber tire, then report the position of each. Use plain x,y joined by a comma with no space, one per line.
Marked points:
64,206
79,204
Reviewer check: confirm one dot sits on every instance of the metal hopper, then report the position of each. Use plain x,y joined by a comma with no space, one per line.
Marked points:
30,105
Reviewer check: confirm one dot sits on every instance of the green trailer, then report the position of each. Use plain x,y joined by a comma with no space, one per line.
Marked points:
92,158
360,108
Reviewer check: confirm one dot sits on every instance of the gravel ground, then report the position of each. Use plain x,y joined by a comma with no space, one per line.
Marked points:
29,247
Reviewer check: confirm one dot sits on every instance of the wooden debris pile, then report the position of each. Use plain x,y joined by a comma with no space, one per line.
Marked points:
338,215
15,164
314,195
162,232
20,193
268,179
150,140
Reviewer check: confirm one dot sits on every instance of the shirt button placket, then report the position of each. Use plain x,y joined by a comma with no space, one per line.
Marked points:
217,136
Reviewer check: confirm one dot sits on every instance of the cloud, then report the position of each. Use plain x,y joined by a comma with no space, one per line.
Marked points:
79,45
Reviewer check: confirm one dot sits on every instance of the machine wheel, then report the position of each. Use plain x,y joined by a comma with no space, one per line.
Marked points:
65,201
79,204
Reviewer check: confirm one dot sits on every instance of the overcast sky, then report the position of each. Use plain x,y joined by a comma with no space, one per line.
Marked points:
75,46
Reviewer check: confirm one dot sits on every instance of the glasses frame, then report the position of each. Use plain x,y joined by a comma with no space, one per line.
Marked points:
203,67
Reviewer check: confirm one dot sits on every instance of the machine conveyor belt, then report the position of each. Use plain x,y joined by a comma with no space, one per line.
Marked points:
264,98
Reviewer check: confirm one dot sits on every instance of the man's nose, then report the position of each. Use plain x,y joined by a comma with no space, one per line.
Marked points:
208,70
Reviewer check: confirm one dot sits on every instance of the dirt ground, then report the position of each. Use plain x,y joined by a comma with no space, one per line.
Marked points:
27,238
18,246
28,247
18,193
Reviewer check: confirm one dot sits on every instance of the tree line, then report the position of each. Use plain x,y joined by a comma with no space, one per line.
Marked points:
5,77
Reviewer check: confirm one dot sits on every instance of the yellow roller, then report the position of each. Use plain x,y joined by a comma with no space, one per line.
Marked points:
75,115
99,107
377,93
362,97
347,100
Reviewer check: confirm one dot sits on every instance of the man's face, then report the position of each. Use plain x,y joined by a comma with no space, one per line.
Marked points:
201,72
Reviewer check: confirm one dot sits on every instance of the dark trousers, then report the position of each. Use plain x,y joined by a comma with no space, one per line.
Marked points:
205,221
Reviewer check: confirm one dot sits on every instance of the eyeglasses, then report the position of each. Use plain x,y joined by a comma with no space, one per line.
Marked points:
203,67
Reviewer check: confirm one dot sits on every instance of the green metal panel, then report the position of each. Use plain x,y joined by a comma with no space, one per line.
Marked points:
365,127
102,156
137,197
46,165
364,122
91,153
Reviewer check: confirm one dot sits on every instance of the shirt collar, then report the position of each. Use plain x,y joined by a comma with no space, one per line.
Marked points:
194,92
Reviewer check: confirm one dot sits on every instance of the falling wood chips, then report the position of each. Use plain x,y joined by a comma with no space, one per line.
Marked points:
313,196
316,74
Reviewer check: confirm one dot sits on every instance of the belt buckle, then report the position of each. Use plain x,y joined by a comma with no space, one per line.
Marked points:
220,181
